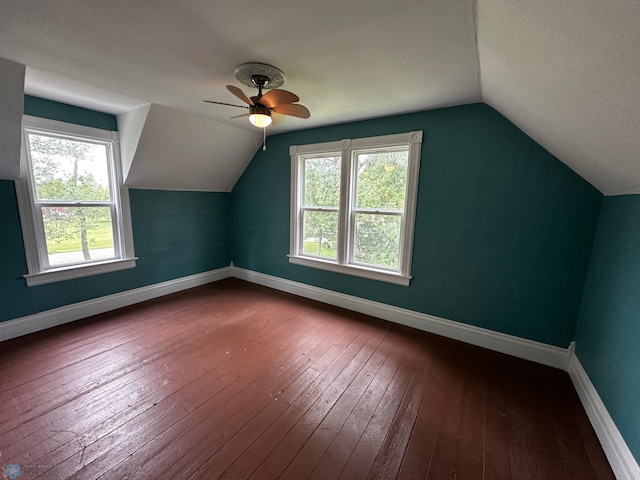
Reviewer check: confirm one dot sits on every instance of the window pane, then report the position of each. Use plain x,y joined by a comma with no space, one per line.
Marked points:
69,169
382,179
322,182
320,234
77,234
377,240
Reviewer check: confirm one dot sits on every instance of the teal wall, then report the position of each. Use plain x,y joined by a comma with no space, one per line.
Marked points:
503,229
180,233
39,107
175,234
608,331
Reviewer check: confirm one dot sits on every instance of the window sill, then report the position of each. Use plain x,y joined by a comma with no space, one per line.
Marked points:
78,271
358,271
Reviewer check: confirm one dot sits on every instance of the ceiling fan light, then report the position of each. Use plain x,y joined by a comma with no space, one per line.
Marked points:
260,120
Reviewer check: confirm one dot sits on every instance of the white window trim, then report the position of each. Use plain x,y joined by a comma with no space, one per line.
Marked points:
35,248
344,148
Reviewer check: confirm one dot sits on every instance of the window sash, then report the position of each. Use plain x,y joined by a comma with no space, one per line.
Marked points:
301,240
352,245
43,249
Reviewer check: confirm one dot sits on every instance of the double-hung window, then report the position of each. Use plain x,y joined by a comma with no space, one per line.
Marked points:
353,205
74,208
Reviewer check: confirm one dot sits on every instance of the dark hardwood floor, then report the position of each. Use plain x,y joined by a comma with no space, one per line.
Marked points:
236,381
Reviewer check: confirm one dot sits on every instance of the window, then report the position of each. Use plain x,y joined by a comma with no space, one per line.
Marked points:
74,209
353,205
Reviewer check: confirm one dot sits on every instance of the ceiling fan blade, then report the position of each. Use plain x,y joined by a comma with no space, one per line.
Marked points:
238,116
277,118
294,110
240,94
278,97
227,104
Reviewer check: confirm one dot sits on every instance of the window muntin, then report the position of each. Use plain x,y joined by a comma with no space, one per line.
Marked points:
320,206
353,211
73,206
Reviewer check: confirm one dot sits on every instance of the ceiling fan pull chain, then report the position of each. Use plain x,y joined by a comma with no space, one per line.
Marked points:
264,139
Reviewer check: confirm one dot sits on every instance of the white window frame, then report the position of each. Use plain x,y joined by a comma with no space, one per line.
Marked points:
39,272
346,150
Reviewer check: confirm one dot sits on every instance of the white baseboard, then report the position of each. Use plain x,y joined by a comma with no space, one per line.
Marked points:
518,347
75,311
622,461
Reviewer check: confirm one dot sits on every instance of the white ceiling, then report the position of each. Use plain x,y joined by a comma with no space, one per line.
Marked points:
207,160
567,73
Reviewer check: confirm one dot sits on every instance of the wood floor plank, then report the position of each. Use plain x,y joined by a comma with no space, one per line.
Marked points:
470,455
572,453
228,358
280,457
366,450
216,414
91,383
316,442
530,431
120,406
389,459
414,462
163,431
252,459
597,458
97,442
96,459
443,454
496,455
339,451
234,381
216,462
83,340
214,443
93,403
138,349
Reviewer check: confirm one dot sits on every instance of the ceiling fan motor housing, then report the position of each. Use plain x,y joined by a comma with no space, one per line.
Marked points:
259,109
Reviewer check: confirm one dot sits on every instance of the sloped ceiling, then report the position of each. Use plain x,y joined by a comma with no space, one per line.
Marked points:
196,151
566,72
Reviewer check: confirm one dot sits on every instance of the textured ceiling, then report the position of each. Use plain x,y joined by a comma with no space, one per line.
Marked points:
567,73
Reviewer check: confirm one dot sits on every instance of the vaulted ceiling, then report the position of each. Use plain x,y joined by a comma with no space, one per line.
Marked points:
567,73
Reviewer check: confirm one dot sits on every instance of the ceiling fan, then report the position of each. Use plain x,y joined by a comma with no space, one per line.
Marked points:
264,108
